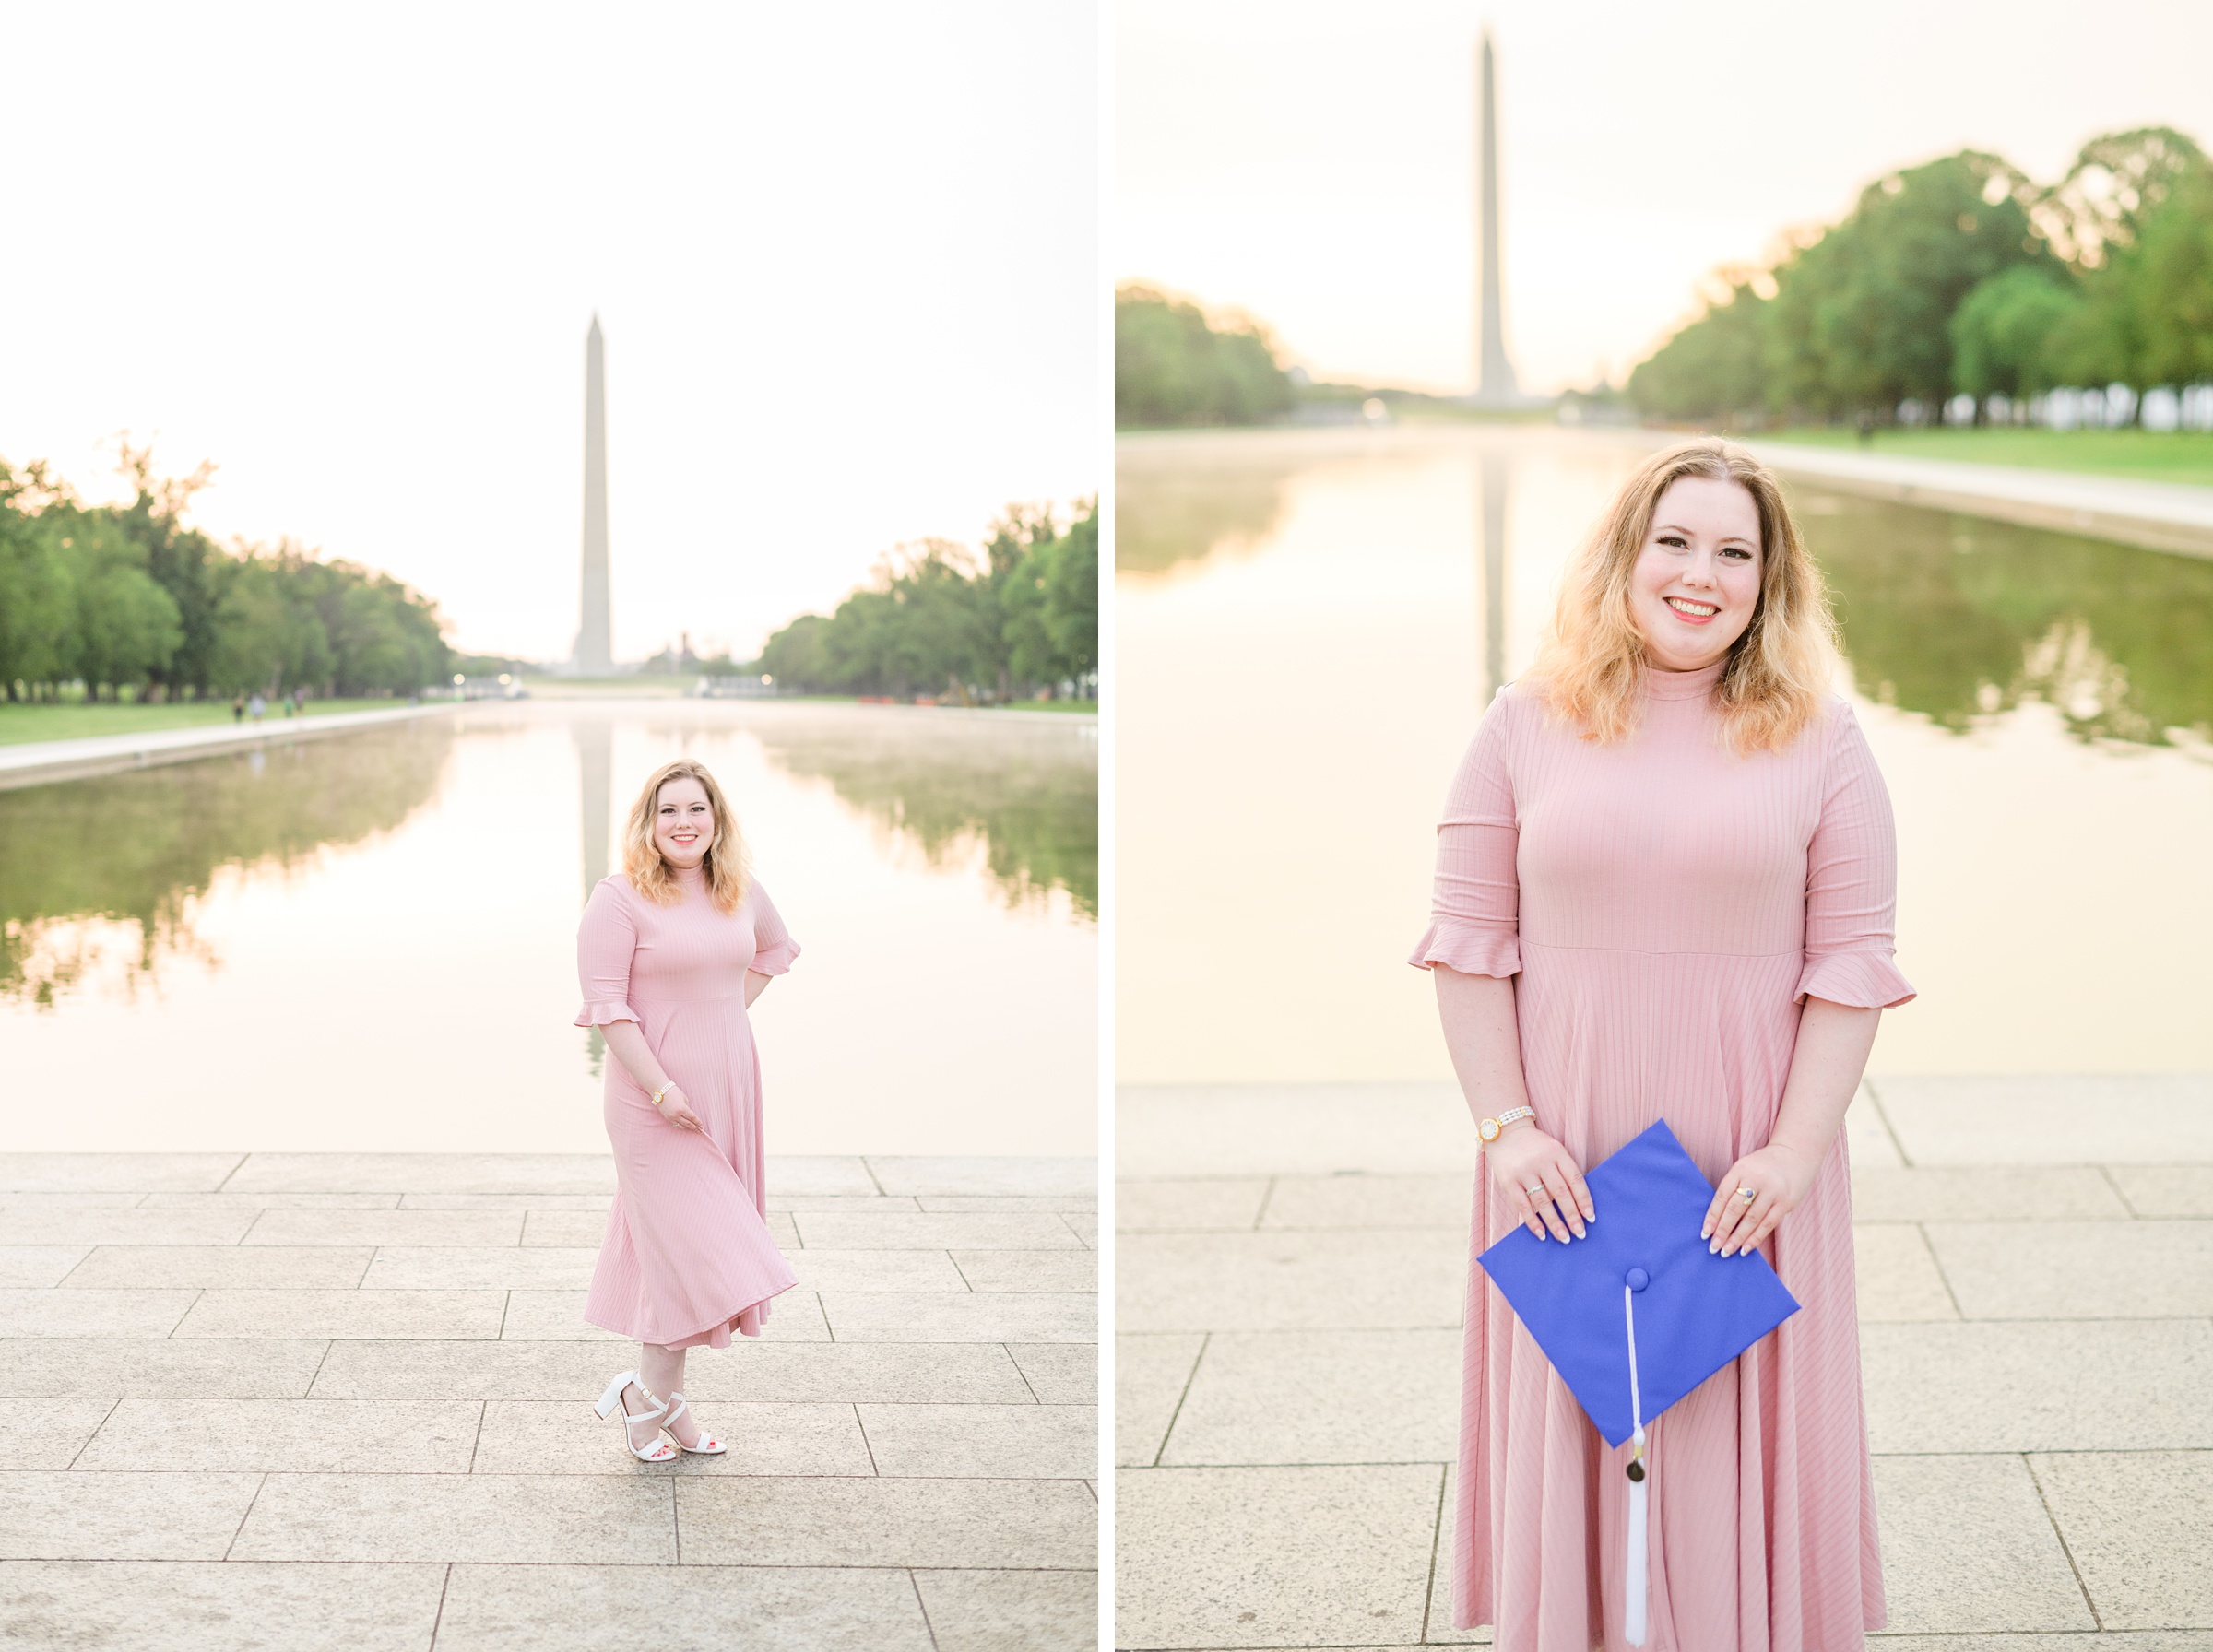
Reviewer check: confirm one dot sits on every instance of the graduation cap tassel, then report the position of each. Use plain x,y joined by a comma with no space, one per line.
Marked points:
1638,1583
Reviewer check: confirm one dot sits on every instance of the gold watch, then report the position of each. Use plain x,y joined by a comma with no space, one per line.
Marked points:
1490,1128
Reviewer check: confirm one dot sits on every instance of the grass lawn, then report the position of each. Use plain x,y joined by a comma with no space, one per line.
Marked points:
2149,455
79,721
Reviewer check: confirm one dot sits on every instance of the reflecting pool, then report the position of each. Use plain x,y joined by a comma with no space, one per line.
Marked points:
367,942
1310,622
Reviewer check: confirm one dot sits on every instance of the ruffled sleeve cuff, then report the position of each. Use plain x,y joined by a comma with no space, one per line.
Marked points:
775,959
1862,980
598,1015
1471,949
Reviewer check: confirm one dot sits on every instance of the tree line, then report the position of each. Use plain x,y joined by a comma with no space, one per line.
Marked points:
1963,277
1172,368
1014,619
125,599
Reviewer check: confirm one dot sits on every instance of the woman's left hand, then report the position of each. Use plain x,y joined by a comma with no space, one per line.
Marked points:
1779,1178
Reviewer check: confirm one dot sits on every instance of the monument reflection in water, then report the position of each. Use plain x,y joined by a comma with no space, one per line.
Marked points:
1310,622
368,942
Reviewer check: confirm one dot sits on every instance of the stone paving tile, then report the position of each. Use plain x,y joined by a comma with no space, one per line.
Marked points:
233,1267
960,1203
156,1606
76,1516
2137,1525
1011,1442
1151,1374
2166,1189
1012,1611
386,1227
528,1518
1009,1175
2077,1269
1084,1225
786,1202
1284,1282
1897,1276
57,1313
848,1230
938,1523
819,1174
876,1270
105,1172
1059,1373
1271,1557
1967,1546
2004,1193
525,1202
1322,1396
424,1172
2143,1119
2054,1386
269,1201
22,1225
995,1316
1190,1205
158,1368
47,1434
690,1609
71,1201
38,1266
1028,1269
557,1316
386,1436
565,1230
744,1371
375,1315
1374,1202
478,1268
568,1437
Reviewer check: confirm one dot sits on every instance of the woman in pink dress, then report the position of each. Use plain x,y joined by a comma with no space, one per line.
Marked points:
1664,888
671,955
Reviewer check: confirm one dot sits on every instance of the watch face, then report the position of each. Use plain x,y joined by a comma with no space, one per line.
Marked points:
1489,1129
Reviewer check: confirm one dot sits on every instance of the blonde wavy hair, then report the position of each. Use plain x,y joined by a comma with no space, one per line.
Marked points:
1590,667
726,864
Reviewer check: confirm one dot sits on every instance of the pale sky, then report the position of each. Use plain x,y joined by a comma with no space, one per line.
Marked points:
845,257
1313,163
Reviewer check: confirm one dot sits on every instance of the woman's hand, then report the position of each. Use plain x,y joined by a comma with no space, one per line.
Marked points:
1777,1177
1540,1182
676,1110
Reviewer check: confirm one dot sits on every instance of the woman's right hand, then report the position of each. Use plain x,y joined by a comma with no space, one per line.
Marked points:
1540,1182
676,1110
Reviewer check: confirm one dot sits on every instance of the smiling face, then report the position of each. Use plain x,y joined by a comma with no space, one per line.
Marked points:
683,822
1697,580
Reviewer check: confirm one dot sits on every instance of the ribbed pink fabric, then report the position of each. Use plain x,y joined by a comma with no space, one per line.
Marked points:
1665,906
688,1256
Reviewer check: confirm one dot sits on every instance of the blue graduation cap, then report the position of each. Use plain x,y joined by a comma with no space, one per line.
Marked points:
1639,1313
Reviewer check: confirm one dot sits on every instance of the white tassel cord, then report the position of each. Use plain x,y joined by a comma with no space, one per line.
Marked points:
1639,1583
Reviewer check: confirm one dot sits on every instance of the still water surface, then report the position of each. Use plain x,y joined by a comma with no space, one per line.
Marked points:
1310,624
368,942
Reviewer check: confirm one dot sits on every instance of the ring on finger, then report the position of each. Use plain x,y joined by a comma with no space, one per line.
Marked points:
1747,1195
1534,1187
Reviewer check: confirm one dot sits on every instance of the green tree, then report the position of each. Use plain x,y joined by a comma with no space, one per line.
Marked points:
1861,316
1171,368
1715,366
2002,329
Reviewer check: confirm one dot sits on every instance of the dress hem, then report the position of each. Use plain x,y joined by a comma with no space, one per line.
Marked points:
728,1320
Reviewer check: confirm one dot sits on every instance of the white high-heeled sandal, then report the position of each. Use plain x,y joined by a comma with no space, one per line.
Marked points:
610,1403
708,1444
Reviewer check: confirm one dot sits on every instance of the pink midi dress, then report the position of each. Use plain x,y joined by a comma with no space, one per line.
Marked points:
688,1258
1665,907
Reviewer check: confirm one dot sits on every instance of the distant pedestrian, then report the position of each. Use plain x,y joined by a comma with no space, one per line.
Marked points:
1665,883
672,953
256,706
238,708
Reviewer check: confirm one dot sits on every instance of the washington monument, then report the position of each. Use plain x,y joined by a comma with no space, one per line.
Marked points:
1494,385
594,634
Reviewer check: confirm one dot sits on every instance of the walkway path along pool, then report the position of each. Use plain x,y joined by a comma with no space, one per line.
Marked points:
308,1400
